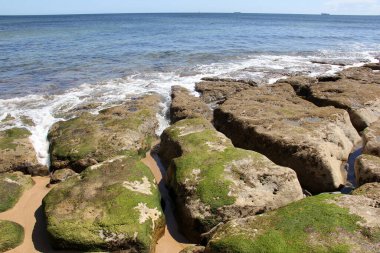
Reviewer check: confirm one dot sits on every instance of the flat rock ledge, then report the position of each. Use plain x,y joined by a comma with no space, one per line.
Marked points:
186,106
216,90
272,120
356,90
90,139
17,153
323,223
214,182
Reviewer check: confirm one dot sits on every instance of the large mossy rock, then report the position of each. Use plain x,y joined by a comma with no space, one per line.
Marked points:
186,106
12,186
356,90
114,205
323,223
17,153
214,182
11,235
89,139
215,90
274,121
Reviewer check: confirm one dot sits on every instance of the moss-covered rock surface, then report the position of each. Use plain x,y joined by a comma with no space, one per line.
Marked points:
90,139
17,153
316,224
114,205
11,235
214,182
12,186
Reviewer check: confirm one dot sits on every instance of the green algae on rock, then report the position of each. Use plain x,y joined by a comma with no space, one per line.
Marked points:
214,182
12,186
114,205
316,224
90,139
11,235
17,153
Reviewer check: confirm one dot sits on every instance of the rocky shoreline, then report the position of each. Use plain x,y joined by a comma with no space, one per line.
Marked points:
240,161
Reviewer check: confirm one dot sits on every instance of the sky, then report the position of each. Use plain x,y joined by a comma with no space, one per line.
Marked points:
38,7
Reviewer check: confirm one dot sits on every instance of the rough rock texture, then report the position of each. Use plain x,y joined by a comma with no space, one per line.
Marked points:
214,90
214,182
114,205
370,190
364,75
324,223
17,153
371,139
194,249
367,169
373,66
186,106
274,121
89,139
356,90
12,186
11,235
61,175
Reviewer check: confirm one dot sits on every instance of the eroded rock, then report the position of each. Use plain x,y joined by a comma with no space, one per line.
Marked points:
89,139
369,190
367,169
324,223
186,106
371,139
59,176
274,121
214,90
17,153
99,210
214,182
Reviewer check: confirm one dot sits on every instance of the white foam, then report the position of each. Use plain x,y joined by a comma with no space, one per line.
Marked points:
46,110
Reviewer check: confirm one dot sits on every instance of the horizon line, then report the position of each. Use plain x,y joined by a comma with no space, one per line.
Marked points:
190,12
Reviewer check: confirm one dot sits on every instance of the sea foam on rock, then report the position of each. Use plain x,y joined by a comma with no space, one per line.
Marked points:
185,106
114,203
214,182
273,120
90,139
17,153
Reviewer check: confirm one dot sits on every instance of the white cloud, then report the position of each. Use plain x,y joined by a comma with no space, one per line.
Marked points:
353,6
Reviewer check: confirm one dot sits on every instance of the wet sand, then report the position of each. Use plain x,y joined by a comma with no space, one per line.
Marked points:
29,214
172,241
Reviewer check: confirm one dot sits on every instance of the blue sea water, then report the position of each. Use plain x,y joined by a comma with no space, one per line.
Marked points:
50,65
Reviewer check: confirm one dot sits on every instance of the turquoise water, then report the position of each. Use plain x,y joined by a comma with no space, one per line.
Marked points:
50,65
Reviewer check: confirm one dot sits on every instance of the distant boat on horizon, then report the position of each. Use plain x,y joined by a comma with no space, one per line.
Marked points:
325,14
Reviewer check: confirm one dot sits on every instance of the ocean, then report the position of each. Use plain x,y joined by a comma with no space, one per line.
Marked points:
51,65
